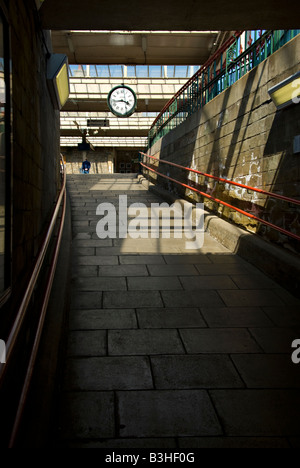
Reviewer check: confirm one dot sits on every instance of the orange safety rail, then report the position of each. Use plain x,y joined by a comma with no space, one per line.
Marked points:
210,197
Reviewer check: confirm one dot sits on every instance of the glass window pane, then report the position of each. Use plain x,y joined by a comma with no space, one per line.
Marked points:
93,71
171,71
103,71
131,72
155,71
116,71
142,71
181,71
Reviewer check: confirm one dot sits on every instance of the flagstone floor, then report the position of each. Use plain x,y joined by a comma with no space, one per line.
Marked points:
171,348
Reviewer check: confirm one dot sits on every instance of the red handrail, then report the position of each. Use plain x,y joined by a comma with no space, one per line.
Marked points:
217,54
13,336
226,181
249,215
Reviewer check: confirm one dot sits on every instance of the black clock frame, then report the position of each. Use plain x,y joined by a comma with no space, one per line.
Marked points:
128,114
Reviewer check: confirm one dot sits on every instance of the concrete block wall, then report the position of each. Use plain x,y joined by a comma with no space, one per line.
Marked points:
242,137
103,160
35,165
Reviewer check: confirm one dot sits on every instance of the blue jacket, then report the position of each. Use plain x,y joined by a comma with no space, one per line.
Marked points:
86,166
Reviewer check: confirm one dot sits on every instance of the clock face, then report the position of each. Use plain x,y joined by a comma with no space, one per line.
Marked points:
122,101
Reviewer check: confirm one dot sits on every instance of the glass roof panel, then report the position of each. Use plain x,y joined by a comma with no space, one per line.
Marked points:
155,71
116,71
181,71
142,71
102,71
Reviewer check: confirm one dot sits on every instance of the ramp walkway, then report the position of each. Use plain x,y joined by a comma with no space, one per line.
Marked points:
172,348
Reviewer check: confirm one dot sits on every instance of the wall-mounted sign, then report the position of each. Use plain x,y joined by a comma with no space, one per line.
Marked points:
97,123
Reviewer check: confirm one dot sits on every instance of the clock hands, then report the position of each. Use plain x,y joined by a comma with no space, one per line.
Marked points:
122,100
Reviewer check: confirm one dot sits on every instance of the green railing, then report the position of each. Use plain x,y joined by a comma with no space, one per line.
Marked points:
238,55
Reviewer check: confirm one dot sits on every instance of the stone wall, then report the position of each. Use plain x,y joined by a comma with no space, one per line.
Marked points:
35,184
103,160
35,167
241,136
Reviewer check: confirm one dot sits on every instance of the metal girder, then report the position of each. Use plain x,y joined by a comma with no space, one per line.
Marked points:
134,48
169,15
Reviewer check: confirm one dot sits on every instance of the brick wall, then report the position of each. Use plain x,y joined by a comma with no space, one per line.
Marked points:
242,137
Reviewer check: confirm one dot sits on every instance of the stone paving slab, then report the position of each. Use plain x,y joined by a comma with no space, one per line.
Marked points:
242,317
87,415
154,284
254,297
170,318
126,443
196,283
100,284
142,259
268,371
186,299
108,373
84,271
131,342
123,270
86,300
275,340
172,270
96,260
287,297
93,243
198,259
217,269
190,371
283,316
226,258
218,340
79,252
166,413
102,319
254,282
111,251
132,299
260,413
232,442
87,343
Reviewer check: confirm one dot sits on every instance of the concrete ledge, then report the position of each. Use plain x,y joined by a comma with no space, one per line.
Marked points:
115,175
281,265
